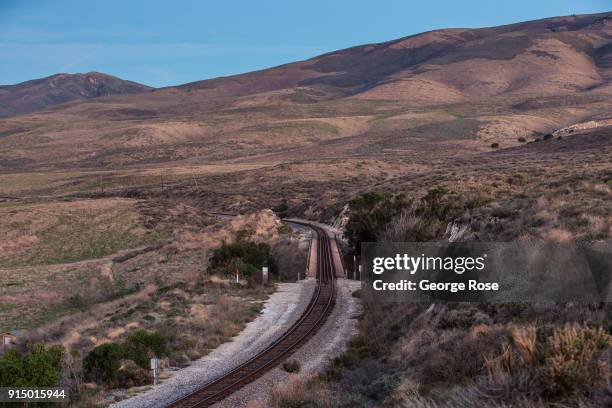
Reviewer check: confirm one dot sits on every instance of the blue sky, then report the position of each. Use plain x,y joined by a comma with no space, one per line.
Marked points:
163,43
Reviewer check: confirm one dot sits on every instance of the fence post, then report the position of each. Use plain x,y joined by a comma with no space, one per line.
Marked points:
264,275
154,363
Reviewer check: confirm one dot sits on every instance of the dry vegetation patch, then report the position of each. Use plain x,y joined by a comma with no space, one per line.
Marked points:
63,232
162,286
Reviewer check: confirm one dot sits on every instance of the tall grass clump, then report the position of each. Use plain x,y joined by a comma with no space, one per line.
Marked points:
566,363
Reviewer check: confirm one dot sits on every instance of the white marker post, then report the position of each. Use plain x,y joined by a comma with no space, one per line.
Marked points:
154,362
264,275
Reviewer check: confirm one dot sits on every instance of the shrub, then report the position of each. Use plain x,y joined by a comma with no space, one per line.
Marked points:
369,213
547,137
357,351
292,366
244,234
248,257
301,393
283,229
39,367
281,209
563,365
131,375
387,217
494,145
440,360
76,302
141,346
456,318
124,365
11,369
522,139
103,363
568,365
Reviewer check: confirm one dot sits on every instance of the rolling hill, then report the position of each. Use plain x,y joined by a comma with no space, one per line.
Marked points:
437,96
42,93
552,55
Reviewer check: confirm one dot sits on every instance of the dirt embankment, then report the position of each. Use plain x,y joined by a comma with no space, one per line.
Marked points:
592,124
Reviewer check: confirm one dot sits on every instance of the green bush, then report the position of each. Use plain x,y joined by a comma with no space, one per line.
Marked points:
248,257
39,367
76,302
281,209
369,213
103,362
420,219
292,366
141,346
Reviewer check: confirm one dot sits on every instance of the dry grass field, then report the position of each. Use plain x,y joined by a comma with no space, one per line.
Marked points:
68,257
87,272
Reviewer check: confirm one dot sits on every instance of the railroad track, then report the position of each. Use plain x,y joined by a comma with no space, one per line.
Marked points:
312,319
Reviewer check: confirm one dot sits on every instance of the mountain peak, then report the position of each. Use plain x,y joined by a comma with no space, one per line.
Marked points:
42,93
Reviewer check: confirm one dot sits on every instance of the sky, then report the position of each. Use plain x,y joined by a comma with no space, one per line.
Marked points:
164,43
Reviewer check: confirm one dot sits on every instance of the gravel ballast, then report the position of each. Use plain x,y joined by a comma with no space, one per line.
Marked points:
314,357
280,311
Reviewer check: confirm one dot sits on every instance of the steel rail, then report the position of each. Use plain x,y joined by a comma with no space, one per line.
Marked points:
317,311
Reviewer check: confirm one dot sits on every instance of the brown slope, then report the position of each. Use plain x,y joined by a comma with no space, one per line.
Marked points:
454,90
554,51
42,93
548,55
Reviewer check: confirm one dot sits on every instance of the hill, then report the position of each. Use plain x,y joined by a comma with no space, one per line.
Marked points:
42,93
551,55
441,105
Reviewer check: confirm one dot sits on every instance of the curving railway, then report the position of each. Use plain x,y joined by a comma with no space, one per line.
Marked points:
312,319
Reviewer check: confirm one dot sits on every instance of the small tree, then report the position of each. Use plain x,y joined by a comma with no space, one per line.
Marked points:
243,256
12,372
42,367
39,367
142,346
368,213
103,362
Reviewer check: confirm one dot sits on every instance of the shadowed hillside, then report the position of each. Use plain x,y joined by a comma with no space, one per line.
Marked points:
469,87
551,55
41,93
409,109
